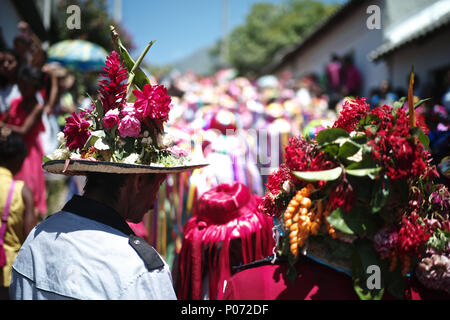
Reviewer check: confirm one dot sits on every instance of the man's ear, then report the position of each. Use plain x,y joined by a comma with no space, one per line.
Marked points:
136,182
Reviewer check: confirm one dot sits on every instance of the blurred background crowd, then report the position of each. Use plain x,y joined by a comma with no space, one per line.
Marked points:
238,116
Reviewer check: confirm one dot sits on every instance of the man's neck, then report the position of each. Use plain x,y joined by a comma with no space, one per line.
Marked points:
107,201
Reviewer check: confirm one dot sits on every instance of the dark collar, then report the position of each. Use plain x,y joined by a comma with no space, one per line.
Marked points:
97,211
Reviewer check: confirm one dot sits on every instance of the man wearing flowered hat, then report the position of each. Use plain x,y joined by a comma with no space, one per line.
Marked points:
87,250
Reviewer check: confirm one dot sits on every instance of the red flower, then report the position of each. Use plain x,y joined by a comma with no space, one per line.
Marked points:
76,132
342,196
298,154
268,207
276,179
111,119
352,112
393,147
412,235
153,102
113,87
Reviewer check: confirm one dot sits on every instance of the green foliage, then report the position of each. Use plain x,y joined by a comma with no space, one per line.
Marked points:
269,28
325,175
95,23
364,255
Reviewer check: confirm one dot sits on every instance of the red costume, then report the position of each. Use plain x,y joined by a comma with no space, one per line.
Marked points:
31,173
222,215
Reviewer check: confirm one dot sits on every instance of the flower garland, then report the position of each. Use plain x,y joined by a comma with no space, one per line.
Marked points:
372,199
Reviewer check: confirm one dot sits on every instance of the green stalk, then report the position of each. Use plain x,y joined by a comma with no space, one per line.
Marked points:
136,66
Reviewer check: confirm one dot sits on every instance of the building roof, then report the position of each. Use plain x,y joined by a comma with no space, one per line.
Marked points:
415,35
288,53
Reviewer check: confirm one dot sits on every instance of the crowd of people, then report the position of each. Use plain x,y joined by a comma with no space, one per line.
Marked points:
240,126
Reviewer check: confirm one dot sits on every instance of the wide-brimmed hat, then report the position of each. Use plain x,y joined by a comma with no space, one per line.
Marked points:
123,131
224,213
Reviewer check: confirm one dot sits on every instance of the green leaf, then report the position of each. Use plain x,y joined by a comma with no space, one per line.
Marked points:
331,149
420,102
366,163
336,220
367,120
46,159
326,175
423,138
364,255
399,104
330,135
140,79
393,281
348,149
380,194
363,172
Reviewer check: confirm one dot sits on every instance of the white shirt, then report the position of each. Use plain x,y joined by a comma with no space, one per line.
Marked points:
68,256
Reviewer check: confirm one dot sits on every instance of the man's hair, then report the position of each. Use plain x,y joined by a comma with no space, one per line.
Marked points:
105,184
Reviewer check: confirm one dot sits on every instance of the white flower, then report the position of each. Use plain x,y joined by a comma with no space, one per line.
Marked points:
75,155
61,137
287,186
160,141
113,112
60,154
131,159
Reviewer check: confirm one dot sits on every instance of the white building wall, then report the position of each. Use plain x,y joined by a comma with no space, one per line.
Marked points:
350,35
427,55
8,21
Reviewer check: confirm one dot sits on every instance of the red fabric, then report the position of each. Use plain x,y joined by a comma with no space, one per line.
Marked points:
31,173
139,229
314,282
416,291
222,214
269,282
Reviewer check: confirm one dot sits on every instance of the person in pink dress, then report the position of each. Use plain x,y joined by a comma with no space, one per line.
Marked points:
24,117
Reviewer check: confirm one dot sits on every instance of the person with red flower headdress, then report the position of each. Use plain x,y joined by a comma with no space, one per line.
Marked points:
225,231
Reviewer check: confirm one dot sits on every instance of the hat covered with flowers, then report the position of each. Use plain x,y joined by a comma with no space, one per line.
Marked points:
123,131
362,197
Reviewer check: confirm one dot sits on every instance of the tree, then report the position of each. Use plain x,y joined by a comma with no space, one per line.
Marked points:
95,23
269,28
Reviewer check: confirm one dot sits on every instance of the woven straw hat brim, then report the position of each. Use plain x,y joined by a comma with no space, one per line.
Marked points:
81,167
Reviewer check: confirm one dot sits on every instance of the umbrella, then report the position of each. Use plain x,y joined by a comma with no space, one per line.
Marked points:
80,54
267,81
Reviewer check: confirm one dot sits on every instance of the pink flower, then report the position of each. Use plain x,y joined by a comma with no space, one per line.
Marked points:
111,119
76,131
129,127
153,102
177,152
129,109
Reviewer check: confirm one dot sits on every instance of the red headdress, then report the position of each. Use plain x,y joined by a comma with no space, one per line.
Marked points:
224,213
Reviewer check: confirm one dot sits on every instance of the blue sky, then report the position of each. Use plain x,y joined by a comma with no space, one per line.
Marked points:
181,27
